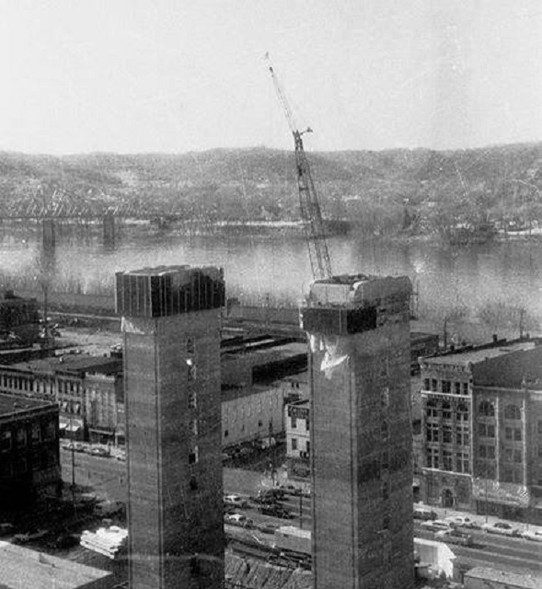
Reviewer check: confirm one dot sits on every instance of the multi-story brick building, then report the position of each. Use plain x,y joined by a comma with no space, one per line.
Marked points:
298,443
482,409
88,389
171,325
360,432
29,454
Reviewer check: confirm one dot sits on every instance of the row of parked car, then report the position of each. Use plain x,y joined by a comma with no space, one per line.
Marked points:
451,529
90,449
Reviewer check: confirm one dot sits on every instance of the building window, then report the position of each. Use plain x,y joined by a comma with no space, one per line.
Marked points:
518,455
294,443
432,457
385,460
447,460
462,462
426,384
462,437
192,399
308,447
432,408
434,385
293,422
226,433
486,408
457,388
447,434
446,386
36,433
385,491
512,412
190,347
385,397
446,410
191,372
513,433
21,437
462,412
486,430
384,431
465,388
193,456
486,452
431,432
5,441
511,474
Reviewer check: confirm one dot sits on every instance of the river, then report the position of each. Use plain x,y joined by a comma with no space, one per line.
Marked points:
488,280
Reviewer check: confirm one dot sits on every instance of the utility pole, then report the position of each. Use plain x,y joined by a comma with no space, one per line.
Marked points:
272,452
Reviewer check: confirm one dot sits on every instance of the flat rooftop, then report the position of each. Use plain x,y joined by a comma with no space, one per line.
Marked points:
23,567
16,404
475,355
508,578
70,363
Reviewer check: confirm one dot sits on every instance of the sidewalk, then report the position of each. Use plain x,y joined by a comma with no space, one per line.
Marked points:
443,513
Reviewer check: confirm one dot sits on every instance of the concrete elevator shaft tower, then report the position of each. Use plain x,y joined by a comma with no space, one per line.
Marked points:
361,440
171,327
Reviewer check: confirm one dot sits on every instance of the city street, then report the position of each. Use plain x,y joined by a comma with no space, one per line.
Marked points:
107,478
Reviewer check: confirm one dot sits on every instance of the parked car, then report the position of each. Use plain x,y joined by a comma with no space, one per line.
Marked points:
502,528
235,500
75,446
99,451
273,492
276,510
291,489
535,535
238,519
267,527
424,513
435,525
454,536
268,496
462,521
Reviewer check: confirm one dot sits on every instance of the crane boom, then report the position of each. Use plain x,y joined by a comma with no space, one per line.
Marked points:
311,214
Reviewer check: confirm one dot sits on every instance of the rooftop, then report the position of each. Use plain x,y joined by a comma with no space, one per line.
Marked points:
511,579
10,404
69,363
254,574
23,567
471,355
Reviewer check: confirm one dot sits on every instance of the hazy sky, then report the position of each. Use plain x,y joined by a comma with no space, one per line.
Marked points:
180,75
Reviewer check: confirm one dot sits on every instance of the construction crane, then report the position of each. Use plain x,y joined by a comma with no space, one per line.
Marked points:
308,199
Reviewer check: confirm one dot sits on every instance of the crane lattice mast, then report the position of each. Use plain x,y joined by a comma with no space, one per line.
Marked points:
311,214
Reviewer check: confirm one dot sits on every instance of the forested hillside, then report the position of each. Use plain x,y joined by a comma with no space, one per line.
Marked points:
386,192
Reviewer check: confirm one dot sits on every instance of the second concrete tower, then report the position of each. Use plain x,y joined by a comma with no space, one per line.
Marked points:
361,441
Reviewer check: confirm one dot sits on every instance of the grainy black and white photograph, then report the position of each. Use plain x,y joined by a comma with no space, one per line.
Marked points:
271,294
